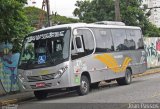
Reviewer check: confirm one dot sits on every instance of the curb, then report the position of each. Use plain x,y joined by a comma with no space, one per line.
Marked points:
14,101
7,102
149,72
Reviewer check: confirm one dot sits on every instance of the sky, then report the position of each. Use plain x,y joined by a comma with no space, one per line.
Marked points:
62,7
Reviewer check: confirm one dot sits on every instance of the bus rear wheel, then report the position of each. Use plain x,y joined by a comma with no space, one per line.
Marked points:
125,80
83,89
40,94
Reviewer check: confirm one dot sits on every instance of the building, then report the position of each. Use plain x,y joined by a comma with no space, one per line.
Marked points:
155,12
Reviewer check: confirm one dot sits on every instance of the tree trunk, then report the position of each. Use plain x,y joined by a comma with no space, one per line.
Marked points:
117,11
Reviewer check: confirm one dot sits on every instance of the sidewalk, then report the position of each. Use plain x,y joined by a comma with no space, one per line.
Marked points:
19,97
148,72
15,98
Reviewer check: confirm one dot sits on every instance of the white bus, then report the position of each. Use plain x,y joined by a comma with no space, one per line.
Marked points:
80,55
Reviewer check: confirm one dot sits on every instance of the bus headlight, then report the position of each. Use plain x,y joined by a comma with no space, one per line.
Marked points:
21,78
60,72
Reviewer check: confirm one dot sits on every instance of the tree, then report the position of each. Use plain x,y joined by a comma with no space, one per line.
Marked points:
33,15
13,22
131,13
95,10
58,19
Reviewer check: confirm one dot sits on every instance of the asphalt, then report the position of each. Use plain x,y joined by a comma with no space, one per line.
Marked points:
24,96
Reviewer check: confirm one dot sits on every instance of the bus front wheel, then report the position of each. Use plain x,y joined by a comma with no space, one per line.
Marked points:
83,89
40,94
125,80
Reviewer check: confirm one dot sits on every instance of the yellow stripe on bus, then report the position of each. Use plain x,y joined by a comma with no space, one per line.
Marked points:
112,63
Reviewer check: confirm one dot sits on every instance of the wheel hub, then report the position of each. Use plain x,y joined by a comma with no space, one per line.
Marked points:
84,86
128,77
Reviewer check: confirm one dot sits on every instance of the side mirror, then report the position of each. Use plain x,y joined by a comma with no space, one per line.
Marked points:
78,42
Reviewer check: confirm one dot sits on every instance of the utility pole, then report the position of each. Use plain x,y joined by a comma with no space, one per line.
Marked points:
48,13
45,5
117,11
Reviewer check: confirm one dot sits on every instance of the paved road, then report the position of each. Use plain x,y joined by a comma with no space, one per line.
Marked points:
144,89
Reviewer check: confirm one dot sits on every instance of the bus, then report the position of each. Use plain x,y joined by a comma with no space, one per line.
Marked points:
79,56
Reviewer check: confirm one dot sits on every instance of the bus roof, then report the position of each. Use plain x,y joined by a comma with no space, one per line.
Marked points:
76,25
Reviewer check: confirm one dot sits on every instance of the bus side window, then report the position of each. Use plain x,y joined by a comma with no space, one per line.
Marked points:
79,44
73,50
72,46
140,42
120,40
77,48
135,38
87,41
104,42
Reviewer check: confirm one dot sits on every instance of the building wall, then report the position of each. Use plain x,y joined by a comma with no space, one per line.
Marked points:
8,69
152,47
155,13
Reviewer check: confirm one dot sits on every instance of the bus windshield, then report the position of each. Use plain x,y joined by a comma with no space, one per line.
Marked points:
44,49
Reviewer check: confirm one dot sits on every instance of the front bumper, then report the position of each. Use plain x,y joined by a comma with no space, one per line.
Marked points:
49,84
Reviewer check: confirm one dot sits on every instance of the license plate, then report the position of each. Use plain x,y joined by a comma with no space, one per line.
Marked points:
40,84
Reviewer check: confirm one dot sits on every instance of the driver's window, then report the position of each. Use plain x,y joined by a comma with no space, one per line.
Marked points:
73,50
83,43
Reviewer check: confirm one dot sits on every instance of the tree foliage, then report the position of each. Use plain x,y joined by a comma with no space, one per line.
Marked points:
131,14
33,15
95,10
58,19
13,22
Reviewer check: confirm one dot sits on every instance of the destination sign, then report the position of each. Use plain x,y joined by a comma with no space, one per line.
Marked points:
46,36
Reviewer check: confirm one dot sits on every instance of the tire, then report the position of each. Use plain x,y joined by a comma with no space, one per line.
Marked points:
40,94
125,80
84,87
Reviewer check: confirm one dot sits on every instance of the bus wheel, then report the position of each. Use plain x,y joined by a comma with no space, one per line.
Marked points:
40,94
83,89
125,80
